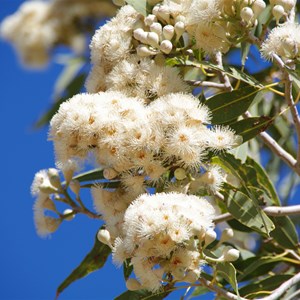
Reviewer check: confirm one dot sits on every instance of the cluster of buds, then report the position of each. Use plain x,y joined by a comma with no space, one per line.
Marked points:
155,37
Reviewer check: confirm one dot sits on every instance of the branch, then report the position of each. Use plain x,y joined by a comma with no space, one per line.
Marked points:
219,290
223,77
283,288
277,149
207,84
275,211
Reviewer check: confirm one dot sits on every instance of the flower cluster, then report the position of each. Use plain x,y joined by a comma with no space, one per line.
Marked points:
38,26
162,234
283,40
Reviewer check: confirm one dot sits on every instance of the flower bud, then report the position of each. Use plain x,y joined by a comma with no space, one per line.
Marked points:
168,32
178,273
69,214
180,174
288,4
75,187
179,29
118,2
166,46
227,234
247,14
49,204
144,51
157,28
258,7
231,254
210,236
278,12
150,19
163,13
140,35
133,285
110,173
52,224
47,188
103,236
153,39
180,18
54,179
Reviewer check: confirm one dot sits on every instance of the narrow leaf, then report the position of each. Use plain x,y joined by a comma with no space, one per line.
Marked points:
92,262
226,107
245,211
227,271
141,295
285,232
140,6
95,174
266,284
127,268
251,127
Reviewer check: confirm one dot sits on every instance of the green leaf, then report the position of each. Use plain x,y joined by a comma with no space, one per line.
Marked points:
264,180
127,268
226,107
141,295
240,152
95,174
141,6
285,232
239,75
251,127
245,48
92,262
227,271
245,211
73,88
198,291
256,289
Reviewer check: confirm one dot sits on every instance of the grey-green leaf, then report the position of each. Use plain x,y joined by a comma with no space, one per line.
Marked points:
92,262
95,174
226,107
227,271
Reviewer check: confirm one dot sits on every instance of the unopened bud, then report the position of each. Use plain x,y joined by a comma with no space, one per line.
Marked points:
103,236
49,204
69,214
258,7
54,179
288,4
47,188
227,234
180,18
133,285
210,236
75,187
110,173
179,29
157,28
140,35
231,254
163,13
247,14
144,51
178,273
52,224
118,2
150,19
180,174
153,39
168,32
166,46
278,12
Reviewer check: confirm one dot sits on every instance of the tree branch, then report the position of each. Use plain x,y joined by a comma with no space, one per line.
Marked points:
207,84
283,288
275,211
223,77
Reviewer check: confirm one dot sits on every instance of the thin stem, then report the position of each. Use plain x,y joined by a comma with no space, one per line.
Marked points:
223,77
207,84
275,211
219,290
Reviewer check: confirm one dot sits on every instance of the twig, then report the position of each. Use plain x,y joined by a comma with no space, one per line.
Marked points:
207,84
283,288
277,149
275,211
219,290
223,77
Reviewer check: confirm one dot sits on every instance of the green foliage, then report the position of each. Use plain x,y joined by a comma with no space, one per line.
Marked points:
94,261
